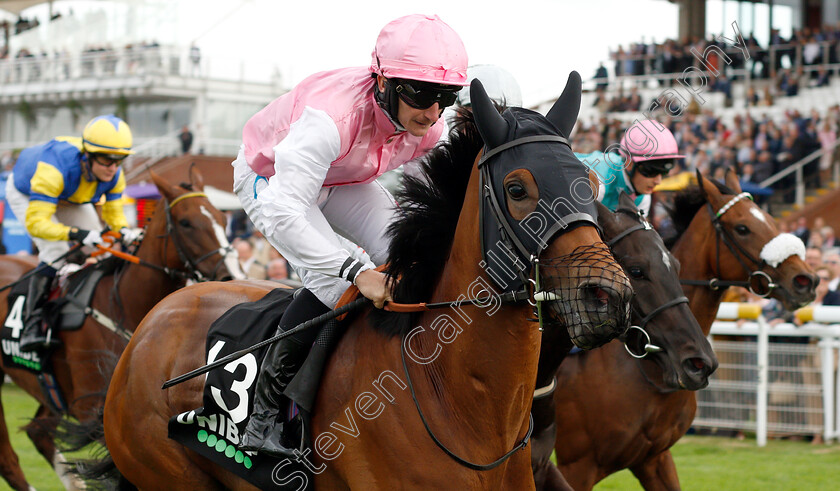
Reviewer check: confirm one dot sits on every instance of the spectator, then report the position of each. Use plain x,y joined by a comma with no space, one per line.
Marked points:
278,269
813,257
827,137
829,240
253,269
601,77
822,77
801,230
195,59
186,138
832,262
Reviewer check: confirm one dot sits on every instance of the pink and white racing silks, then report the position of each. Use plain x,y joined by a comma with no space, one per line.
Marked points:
327,132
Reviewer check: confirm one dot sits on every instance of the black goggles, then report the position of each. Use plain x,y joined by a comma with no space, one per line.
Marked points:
109,159
423,95
652,169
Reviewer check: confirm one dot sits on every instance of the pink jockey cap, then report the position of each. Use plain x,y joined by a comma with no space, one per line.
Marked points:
420,47
650,140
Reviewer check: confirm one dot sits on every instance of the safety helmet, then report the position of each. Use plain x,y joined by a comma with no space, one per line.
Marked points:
423,61
652,147
107,134
499,84
422,48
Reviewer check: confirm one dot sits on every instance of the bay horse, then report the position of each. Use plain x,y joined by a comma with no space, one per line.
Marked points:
186,236
616,413
471,371
664,323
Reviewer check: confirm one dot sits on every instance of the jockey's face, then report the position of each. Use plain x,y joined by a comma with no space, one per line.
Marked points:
103,168
415,121
642,184
418,121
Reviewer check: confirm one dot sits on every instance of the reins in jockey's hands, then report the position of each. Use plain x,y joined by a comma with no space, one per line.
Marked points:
130,235
375,286
86,237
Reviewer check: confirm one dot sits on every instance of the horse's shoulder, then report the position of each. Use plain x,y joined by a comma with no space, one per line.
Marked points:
28,261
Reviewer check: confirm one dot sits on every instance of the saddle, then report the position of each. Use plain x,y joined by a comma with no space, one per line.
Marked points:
66,309
75,297
227,399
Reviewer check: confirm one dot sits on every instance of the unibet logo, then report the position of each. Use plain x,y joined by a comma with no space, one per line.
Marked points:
223,447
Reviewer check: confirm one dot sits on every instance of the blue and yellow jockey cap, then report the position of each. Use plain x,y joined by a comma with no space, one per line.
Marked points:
108,135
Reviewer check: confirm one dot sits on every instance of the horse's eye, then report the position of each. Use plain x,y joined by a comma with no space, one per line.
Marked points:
742,229
516,191
184,223
636,272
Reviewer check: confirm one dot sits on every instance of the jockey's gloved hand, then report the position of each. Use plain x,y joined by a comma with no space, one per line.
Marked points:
86,237
130,235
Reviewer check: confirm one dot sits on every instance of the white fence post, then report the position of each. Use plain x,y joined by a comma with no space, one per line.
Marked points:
761,392
774,388
827,353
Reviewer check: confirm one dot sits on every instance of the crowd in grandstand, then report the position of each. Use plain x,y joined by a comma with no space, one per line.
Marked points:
755,144
805,47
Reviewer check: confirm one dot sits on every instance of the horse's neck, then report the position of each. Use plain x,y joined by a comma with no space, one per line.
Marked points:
699,262
154,284
486,374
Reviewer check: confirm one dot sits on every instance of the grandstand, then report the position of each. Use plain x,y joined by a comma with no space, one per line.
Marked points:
785,74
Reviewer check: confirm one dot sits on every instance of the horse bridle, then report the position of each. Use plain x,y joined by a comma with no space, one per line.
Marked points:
737,250
534,298
649,348
192,271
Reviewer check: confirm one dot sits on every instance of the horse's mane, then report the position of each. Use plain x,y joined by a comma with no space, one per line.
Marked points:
686,205
430,206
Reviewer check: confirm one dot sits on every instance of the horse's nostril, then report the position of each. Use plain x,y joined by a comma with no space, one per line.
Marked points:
803,282
596,294
698,363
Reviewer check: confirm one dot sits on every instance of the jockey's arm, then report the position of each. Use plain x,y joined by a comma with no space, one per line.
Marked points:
301,162
46,186
112,210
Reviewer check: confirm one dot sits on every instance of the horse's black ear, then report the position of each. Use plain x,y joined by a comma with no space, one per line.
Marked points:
491,125
605,216
564,113
625,202
700,182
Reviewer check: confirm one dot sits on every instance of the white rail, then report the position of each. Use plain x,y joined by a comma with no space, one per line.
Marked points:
785,379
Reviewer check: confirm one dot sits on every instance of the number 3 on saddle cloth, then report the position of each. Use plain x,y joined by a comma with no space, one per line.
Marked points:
214,430
64,311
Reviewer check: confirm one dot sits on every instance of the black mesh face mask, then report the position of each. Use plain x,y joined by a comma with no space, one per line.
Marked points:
566,199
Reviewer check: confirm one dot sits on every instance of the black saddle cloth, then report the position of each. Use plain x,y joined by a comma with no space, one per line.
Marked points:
214,429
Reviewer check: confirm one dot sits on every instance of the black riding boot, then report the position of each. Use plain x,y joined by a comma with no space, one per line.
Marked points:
34,337
280,365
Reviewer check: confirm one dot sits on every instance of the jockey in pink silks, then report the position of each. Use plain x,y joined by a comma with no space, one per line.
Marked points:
306,172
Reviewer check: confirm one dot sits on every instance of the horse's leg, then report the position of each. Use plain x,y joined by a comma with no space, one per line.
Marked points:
581,475
40,431
658,473
548,478
9,464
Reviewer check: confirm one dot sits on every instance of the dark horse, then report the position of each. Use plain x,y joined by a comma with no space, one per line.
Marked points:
185,235
473,375
659,309
617,413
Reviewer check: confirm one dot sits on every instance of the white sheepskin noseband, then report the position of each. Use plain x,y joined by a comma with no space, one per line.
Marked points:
782,247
